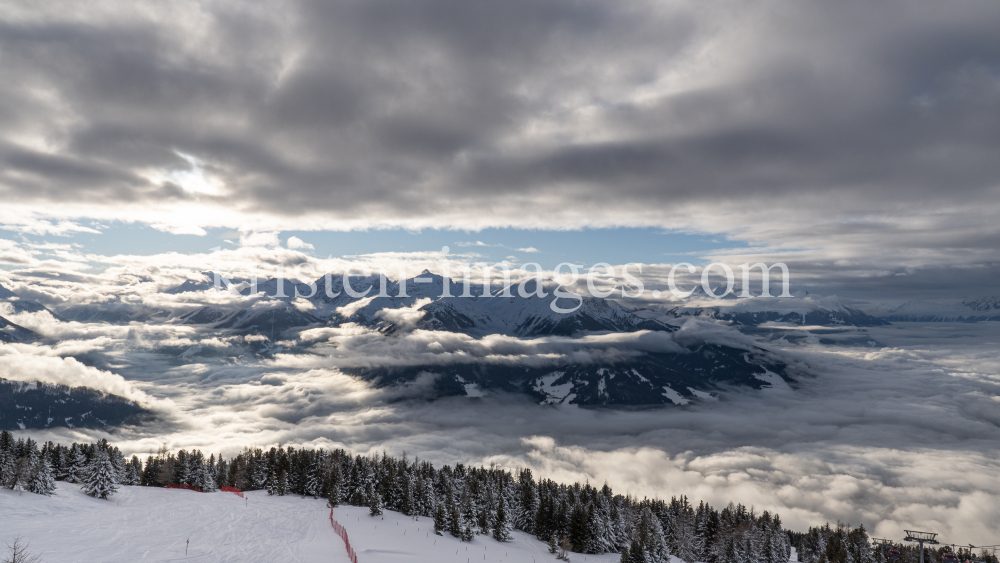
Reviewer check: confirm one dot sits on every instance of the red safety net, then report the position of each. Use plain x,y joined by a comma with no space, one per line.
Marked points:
234,490
342,532
183,486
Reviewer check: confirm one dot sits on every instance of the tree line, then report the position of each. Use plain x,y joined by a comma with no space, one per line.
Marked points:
462,501
465,502
844,544
98,468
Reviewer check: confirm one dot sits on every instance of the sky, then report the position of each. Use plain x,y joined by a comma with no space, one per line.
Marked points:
856,142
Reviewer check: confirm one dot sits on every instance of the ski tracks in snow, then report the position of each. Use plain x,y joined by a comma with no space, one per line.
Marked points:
152,524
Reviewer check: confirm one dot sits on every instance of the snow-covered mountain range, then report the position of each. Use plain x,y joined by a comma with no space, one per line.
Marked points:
965,310
677,376
806,310
682,367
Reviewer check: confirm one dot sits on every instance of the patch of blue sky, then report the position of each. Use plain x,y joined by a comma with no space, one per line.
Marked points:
546,247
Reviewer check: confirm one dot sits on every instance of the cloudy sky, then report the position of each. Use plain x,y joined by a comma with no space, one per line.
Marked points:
855,141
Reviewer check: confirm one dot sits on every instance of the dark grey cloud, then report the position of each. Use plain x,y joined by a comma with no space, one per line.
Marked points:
341,104
867,133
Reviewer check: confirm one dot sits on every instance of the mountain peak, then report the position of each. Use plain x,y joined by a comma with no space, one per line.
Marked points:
6,293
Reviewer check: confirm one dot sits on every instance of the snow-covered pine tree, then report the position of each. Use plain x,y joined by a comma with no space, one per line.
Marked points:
281,489
272,484
649,532
100,481
375,503
502,526
207,478
635,552
409,496
440,520
314,476
523,515
333,486
859,545
222,473
42,481
7,460
77,470
467,510
685,537
455,522
426,502
132,474
468,533
117,461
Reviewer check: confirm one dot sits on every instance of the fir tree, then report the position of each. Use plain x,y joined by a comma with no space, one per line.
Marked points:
314,478
42,482
440,520
77,470
455,523
502,526
100,480
281,488
636,554
375,503
332,486
468,534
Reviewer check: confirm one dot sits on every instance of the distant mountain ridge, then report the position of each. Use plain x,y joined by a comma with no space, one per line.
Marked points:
669,373
40,405
10,332
13,304
799,310
983,309
641,378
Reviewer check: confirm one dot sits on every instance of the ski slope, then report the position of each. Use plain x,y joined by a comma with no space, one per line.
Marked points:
153,524
397,538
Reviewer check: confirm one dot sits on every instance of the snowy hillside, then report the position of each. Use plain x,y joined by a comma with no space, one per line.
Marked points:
397,538
154,524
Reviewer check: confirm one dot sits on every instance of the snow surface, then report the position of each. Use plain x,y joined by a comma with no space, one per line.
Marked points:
152,524
556,394
397,538
674,396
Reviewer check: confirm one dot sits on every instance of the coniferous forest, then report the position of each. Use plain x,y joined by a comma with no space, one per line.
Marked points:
462,501
844,544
